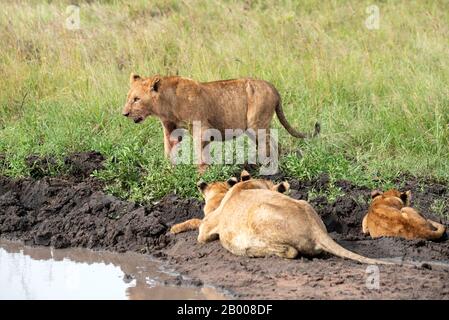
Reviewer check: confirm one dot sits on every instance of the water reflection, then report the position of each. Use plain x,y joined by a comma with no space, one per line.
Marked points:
46,273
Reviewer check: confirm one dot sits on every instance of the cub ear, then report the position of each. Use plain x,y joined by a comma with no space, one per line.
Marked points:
376,193
406,197
245,176
155,84
232,181
134,77
281,187
201,185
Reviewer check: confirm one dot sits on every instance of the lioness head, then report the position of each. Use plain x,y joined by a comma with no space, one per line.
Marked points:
405,197
143,97
209,190
247,183
213,193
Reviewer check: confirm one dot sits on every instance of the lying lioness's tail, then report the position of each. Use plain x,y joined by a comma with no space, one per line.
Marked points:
329,245
438,233
290,129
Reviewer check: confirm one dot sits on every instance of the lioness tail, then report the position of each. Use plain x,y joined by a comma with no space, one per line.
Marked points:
329,245
290,129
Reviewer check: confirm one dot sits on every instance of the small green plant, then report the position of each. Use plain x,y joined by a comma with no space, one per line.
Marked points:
331,193
440,207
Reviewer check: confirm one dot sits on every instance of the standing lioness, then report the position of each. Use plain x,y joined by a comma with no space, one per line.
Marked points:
230,104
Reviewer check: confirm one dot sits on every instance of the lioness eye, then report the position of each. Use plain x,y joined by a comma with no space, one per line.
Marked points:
136,99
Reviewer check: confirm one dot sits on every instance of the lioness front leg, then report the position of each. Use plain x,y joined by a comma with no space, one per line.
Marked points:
203,152
169,141
188,225
266,148
205,157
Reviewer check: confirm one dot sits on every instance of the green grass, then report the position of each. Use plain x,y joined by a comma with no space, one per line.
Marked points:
440,208
382,96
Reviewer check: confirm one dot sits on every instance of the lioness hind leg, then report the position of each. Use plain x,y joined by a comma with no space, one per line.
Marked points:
265,146
283,251
191,224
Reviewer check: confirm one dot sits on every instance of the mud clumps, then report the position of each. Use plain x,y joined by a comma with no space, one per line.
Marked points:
174,209
73,211
55,212
83,164
76,165
40,166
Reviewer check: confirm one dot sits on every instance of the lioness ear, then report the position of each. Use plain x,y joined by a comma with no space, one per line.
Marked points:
232,181
155,84
134,77
244,176
406,197
201,185
282,187
376,193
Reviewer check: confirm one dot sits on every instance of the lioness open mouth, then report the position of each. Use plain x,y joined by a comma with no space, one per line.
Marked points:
137,120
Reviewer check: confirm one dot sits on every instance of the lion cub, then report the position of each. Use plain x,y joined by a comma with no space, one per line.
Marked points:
215,192
390,215
253,220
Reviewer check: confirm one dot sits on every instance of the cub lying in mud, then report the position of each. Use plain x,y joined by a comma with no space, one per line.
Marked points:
220,105
213,199
390,215
253,220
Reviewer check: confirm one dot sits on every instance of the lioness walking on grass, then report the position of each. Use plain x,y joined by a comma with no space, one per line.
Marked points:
239,104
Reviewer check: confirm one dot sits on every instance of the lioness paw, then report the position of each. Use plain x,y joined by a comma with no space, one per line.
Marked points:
175,229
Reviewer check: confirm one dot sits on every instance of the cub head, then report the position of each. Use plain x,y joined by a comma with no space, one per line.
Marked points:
143,97
405,197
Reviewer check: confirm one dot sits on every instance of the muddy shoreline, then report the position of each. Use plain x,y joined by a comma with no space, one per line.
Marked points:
73,211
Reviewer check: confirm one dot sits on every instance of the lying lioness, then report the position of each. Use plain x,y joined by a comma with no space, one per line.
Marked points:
390,215
215,192
219,105
254,221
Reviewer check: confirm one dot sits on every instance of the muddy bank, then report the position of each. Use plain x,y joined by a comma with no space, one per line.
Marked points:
74,212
